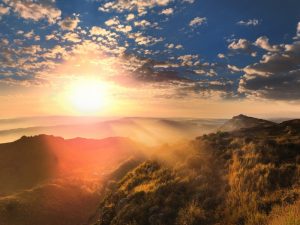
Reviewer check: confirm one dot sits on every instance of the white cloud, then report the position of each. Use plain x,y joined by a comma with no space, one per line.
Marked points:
221,56
29,34
188,1
99,31
250,22
242,44
140,6
112,22
197,21
234,68
189,60
3,10
142,23
72,37
168,11
170,46
130,16
35,10
124,29
263,42
144,40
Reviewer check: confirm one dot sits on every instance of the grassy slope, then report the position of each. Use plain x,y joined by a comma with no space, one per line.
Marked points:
222,178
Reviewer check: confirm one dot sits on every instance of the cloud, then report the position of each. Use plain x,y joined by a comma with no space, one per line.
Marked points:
168,11
197,21
145,40
102,32
221,56
263,42
72,37
298,30
3,10
170,46
242,45
179,46
188,1
112,22
142,23
29,34
250,22
140,6
276,76
189,60
130,16
35,10
234,68
69,23
123,28
279,86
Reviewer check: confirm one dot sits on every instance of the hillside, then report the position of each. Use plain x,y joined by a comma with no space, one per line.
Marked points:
241,177
241,122
49,180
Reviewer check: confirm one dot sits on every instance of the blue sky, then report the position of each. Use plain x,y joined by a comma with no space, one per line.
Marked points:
235,49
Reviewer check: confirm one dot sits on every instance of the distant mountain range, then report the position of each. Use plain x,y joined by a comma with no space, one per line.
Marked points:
147,130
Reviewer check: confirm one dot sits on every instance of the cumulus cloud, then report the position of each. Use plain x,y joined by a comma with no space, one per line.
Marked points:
35,10
130,16
69,23
234,68
3,10
189,60
95,30
140,39
112,22
263,42
221,56
197,21
242,45
168,11
142,23
72,37
250,22
298,30
140,6
188,1
276,76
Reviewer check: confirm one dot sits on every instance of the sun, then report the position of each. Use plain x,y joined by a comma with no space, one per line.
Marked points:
87,95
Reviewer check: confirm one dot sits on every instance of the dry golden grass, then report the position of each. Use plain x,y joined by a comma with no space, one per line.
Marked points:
289,215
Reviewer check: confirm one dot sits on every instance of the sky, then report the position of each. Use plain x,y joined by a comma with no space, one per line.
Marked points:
169,58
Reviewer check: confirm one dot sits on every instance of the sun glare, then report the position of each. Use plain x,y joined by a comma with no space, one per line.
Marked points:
87,96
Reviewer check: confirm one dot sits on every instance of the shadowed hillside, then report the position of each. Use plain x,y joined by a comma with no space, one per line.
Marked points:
49,180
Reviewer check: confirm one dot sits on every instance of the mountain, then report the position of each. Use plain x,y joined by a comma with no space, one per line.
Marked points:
241,122
245,177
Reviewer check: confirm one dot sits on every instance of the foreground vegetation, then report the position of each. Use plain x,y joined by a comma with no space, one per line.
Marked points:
246,177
